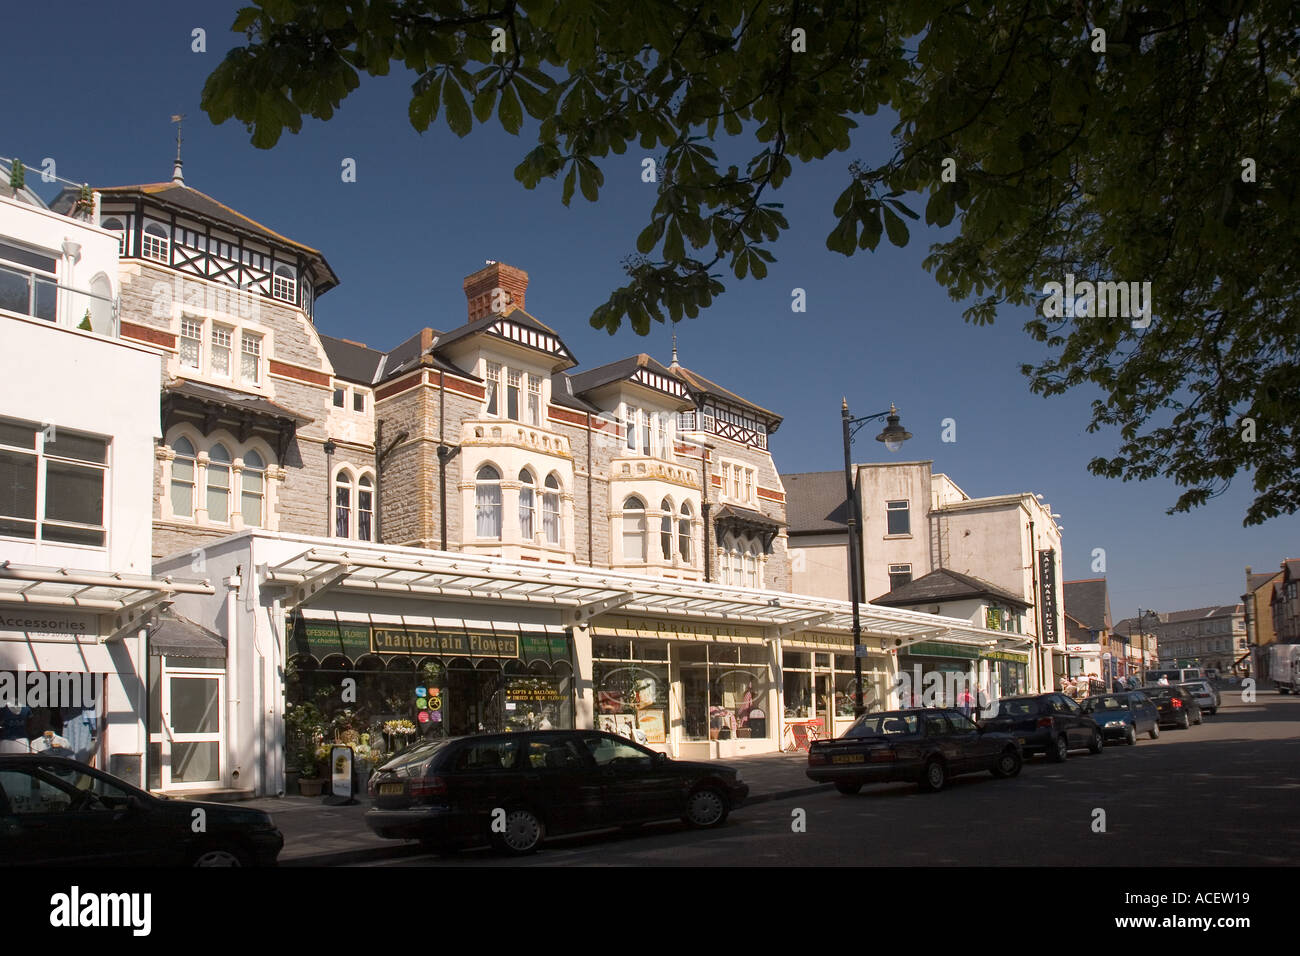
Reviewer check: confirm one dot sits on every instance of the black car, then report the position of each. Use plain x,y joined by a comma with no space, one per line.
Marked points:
1046,723
1123,715
1177,705
926,746
58,811
515,789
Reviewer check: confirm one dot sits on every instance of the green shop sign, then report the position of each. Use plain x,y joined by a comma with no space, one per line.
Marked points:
428,640
322,639
935,649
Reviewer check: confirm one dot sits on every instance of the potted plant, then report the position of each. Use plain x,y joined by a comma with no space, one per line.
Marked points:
310,763
304,729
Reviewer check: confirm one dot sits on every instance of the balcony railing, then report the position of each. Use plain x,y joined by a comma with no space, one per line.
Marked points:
39,297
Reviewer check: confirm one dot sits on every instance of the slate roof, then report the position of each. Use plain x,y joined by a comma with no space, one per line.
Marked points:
562,394
945,584
176,636
1088,603
701,385
515,315
1077,633
1256,581
352,360
188,199
240,401
815,502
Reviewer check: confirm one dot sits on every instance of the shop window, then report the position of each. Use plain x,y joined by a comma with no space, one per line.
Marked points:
631,694
487,503
634,529
218,484
527,506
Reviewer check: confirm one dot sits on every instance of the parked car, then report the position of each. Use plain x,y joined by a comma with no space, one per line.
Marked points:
1124,715
58,811
1207,697
1177,706
514,790
1175,675
925,746
1052,724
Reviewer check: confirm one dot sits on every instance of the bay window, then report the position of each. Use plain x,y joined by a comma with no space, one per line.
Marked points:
534,400
487,501
218,484
684,532
526,506
343,504
252,489
365,507
492,387
634,529
551,510
666,529
183,473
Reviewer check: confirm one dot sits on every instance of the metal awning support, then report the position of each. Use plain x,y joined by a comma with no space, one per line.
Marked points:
585,612
135,615
794,627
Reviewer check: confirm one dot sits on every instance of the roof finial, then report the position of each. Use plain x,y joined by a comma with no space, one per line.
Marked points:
674,364
177,177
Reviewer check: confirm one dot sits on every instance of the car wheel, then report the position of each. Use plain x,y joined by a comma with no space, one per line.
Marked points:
848,789
1098,742
1131,736
220,855
705,807
1186,722
1155,730
1060,750
934,777
524,833
1199,719
1009,763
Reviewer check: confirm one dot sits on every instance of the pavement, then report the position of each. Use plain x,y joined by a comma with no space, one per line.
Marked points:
318,834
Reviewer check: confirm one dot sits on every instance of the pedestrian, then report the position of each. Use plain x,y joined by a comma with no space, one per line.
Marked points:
967,702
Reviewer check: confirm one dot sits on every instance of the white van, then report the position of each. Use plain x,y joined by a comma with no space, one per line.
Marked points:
1176,675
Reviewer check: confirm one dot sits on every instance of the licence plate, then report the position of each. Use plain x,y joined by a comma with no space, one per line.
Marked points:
390,788
847,758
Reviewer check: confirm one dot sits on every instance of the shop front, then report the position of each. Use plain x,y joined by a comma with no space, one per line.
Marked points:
688,688
937,674
380,685
819,681
1008,673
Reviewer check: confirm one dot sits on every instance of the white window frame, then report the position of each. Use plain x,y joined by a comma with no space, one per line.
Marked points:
217,330
245,338
534,400
284,288
153,247
553,517
492,392
42,458
195,326
640,533
906,510
493,510
238,451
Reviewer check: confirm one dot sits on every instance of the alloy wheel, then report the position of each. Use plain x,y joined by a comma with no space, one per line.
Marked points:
218,857
705,808
523,832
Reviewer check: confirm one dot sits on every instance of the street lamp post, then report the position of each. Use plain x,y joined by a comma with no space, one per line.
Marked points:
893,437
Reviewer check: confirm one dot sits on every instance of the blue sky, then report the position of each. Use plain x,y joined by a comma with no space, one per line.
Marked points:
93,86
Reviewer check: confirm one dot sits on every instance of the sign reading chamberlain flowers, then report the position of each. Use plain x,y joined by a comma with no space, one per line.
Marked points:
427,640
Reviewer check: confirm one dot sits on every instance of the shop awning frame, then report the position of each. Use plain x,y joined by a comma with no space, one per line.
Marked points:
122,601
582,594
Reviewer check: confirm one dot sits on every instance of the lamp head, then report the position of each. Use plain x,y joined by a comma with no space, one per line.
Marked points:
894,434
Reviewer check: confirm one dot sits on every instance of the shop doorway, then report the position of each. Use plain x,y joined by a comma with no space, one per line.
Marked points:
473,698
187,709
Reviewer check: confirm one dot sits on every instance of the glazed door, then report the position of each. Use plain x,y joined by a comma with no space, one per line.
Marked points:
190,742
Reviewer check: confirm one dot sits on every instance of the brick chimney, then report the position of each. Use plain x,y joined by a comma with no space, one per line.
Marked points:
481,289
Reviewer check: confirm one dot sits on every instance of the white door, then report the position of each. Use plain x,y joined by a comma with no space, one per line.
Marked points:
191,738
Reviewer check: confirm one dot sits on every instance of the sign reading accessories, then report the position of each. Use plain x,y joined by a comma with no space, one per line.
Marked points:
1047,585
41,624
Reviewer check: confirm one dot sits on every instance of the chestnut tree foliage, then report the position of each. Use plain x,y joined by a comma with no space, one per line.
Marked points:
1112,140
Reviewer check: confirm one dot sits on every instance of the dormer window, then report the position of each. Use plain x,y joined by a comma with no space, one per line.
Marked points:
157,245
284,283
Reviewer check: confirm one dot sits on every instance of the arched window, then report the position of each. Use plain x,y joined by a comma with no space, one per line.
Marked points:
183,478
666,528
487,502
113,224
684,532
343,504
527,505
252,490
219,484
157,245
284,283
365,507
634,529
551,510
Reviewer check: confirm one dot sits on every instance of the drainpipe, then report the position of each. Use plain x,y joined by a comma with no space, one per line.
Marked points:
232,584
378,518
591,518
330,448
705,508
442,462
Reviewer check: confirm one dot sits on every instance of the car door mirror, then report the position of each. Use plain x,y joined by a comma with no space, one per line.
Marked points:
660,759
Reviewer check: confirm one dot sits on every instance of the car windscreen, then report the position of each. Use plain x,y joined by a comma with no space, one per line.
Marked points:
1158,691
1089,704
1199,686
1022,707
884,725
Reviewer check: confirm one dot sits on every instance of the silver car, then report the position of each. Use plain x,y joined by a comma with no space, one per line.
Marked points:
1205,694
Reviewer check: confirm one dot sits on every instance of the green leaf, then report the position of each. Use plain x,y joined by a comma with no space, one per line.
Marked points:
590,178
484,102
674,247
537,103
650,235
458,115
510,114
895,227
569,181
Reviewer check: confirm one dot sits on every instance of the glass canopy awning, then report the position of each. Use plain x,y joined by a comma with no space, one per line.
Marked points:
583,593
